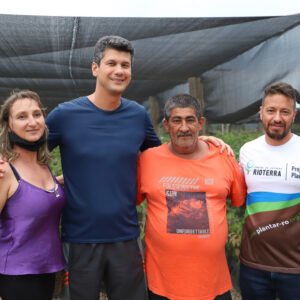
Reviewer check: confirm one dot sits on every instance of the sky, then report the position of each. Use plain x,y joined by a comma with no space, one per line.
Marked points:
151,8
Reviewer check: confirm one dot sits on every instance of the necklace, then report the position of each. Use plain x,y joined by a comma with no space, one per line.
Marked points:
54,190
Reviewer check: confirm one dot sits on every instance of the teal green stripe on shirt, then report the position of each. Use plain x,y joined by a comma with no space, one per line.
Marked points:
269,206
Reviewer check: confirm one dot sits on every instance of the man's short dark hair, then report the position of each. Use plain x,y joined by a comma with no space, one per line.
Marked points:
281,88
182,100
111,42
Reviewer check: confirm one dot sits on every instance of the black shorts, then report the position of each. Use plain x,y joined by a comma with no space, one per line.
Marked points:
118,265
27,287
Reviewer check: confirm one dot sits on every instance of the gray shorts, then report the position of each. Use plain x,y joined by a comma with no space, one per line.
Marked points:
118,265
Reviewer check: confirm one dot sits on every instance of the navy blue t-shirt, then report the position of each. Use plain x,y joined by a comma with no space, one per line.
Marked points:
99,151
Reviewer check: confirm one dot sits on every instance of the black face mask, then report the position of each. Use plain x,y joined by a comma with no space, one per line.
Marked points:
30,146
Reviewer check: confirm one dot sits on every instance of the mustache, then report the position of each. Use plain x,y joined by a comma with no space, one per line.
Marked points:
188,133
276,123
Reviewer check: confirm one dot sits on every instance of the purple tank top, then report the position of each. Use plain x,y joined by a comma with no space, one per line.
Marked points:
29,231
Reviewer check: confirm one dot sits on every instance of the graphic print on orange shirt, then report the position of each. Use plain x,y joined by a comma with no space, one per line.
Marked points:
187,212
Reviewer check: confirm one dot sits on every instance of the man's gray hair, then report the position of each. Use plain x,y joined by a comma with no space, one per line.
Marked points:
182,100
111,42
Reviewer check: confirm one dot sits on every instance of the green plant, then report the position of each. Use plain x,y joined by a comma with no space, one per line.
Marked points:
237,140
55,163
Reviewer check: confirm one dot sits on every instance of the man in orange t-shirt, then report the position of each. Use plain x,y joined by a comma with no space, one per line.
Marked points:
186,183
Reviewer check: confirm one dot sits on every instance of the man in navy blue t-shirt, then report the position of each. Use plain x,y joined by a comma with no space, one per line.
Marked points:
100,137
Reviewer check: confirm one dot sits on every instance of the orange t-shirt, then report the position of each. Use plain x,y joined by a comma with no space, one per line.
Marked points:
186,228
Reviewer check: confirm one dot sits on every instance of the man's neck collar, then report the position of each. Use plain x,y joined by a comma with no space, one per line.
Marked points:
105,102
200,150
274,142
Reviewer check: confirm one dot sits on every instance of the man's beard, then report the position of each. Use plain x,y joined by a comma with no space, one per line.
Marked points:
278,136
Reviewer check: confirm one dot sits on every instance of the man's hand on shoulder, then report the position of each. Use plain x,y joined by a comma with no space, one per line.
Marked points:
5,183
217,142
61,179
2,170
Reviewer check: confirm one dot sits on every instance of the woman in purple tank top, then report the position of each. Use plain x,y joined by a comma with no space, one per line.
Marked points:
31,201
